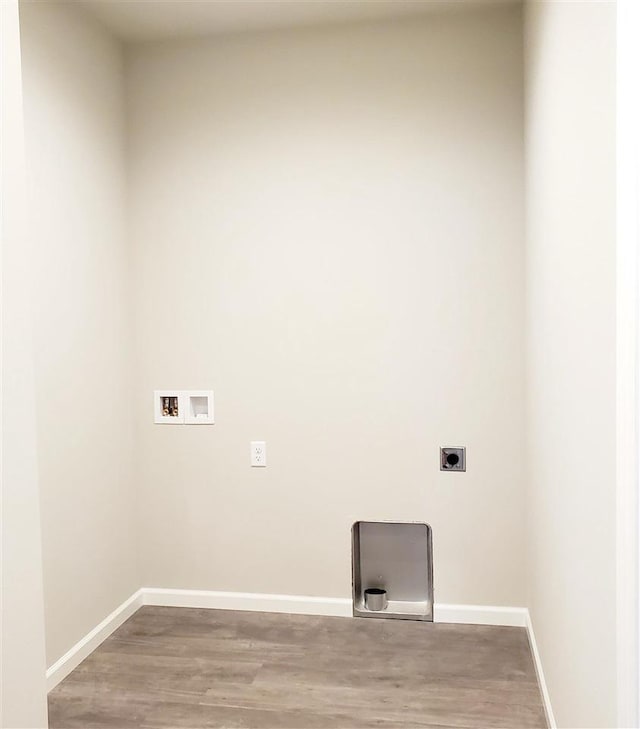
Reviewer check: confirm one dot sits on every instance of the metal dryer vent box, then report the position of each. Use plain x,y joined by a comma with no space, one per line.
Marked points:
395,557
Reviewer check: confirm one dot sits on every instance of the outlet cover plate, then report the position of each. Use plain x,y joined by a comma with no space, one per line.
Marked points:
258,453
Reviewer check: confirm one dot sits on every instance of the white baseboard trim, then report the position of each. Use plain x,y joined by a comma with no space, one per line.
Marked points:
537,661
77,653
259,602
330,606
480,615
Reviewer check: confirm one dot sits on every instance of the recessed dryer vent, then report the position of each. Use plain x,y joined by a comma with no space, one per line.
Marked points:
395,557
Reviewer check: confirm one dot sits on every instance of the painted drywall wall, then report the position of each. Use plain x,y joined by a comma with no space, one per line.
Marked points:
627,361
74,118
327,229
570,112
22,682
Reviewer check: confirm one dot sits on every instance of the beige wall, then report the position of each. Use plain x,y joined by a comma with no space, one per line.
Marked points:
73,89
570,64
326,226
328,230
22,661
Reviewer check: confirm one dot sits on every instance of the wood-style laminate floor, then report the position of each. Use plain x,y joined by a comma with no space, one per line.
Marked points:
176,667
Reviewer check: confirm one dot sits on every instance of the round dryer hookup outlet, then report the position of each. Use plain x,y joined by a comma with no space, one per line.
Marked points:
453,459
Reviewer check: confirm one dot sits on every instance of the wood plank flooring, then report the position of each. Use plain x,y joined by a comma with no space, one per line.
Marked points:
177,667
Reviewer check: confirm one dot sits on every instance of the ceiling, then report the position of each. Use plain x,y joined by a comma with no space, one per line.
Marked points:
140,20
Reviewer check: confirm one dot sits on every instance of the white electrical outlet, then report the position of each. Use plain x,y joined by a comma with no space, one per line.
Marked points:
258,453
